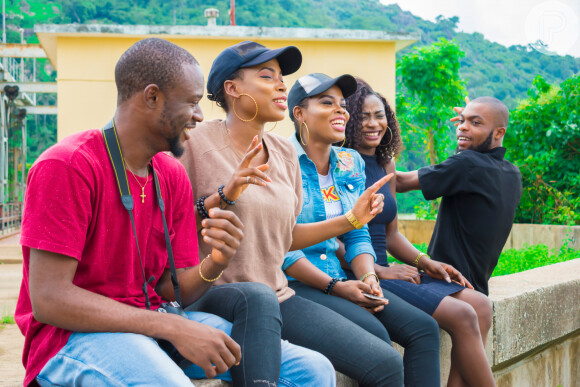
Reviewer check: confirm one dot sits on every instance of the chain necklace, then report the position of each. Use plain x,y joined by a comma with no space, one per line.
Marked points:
142,186
236,151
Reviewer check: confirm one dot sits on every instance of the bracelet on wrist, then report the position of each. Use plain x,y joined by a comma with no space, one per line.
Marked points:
208,279
223,196
331,284
416,261
353,220
200,206
369,274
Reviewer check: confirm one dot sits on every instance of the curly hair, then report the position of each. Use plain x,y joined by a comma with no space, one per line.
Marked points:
390,146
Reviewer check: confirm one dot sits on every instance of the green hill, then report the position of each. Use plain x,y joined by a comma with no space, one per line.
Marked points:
489,68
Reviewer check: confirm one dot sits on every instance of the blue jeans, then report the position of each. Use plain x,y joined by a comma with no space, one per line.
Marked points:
121,359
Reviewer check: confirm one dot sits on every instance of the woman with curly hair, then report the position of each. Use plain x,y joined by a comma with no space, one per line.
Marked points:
461,311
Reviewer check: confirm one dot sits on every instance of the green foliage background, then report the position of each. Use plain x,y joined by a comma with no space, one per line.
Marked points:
433,75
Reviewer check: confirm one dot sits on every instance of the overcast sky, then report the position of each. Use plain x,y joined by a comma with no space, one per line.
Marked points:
509,22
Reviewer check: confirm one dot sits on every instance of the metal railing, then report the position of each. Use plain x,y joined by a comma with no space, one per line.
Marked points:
10,217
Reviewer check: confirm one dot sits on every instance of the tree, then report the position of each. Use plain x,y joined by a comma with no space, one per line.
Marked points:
543,139
431,86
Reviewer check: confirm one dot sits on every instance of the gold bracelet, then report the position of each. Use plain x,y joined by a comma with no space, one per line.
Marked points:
206,279
370,273
353,220
416,261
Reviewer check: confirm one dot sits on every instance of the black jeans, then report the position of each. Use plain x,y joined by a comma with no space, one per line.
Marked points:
254,311
407,325
368,359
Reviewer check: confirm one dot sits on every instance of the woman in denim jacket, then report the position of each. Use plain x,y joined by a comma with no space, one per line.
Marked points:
332,179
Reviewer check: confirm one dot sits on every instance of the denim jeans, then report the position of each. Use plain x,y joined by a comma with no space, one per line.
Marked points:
254,310
368,359
407,325
122,359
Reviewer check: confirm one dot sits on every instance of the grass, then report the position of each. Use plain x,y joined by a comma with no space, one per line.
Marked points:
517,260
514,261
7,320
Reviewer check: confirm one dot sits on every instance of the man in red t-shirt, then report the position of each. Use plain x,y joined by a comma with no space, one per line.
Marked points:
81,305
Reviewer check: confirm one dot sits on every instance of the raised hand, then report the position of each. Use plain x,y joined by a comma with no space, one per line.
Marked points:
369,204
459,110
246,175
223,232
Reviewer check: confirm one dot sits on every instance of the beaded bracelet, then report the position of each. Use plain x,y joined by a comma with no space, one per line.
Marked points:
416,261
201,207
330,285
223,196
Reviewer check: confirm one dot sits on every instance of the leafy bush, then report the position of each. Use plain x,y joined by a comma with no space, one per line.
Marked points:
543,140
514,261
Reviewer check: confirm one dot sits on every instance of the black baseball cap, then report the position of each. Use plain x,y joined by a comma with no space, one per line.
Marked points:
247,54
316,83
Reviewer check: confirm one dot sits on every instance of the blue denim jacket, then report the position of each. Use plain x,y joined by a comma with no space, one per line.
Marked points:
348,171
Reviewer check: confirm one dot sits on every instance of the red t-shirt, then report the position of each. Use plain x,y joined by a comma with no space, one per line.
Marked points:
73,207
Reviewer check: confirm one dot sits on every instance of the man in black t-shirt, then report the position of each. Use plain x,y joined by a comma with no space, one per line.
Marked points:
480,192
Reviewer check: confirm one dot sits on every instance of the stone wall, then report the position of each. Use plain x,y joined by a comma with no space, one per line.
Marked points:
535,337
553,236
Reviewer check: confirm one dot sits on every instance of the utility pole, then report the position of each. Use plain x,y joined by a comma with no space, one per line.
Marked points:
4,21
232,12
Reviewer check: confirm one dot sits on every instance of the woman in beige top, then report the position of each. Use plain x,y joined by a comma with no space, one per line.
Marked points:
246,80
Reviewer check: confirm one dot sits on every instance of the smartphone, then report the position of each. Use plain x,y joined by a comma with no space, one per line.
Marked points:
373,297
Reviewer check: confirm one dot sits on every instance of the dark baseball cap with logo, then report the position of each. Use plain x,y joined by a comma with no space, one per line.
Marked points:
247,54
316,83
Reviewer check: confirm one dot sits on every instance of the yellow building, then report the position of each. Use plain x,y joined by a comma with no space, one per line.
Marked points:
85,57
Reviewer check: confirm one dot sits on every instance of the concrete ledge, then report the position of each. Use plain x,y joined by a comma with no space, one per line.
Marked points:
553,236
535,337
534,308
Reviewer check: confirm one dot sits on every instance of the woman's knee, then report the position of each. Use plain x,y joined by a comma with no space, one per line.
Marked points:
255,297
465,318
385,368
428,331
484,310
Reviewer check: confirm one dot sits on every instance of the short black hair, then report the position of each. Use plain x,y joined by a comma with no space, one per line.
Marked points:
500,111
220,96
150,61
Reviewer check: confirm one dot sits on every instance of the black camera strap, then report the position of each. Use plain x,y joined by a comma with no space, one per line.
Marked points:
118,163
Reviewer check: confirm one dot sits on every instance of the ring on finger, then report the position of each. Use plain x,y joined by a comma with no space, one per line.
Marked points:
247,179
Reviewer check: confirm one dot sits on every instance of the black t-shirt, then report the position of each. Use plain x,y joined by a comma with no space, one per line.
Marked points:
480,191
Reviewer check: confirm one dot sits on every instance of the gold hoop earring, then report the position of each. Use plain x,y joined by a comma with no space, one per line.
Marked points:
275,123
307,132
255,103
391,132
343,141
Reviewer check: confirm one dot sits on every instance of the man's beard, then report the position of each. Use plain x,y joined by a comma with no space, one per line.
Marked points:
483,147
175,146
